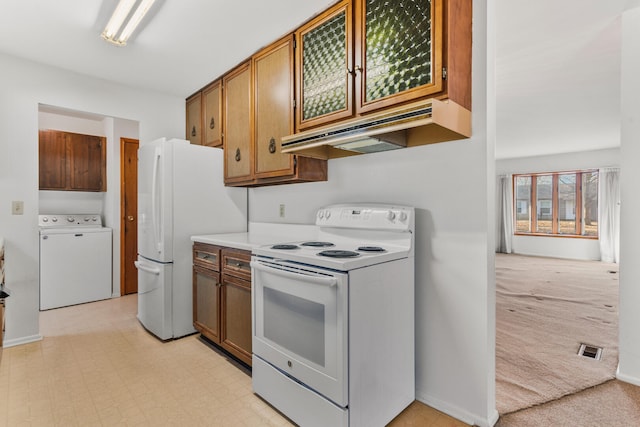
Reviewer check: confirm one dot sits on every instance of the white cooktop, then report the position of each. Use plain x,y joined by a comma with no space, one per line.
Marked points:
355,228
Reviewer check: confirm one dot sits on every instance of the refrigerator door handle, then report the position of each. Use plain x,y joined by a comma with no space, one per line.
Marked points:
141,266
155,203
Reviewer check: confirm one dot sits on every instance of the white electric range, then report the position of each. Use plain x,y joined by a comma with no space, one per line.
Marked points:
333,321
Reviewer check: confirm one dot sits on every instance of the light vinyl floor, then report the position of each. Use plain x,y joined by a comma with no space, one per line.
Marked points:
97,366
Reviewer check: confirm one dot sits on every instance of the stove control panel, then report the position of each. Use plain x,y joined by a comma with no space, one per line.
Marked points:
68,220
376,217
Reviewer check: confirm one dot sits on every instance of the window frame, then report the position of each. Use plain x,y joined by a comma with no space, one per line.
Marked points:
533,201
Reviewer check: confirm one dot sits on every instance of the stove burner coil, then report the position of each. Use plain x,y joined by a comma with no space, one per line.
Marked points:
339,254
371,249
287,247
317,244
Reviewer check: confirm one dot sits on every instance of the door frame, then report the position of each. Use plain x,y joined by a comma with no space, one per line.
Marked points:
123,141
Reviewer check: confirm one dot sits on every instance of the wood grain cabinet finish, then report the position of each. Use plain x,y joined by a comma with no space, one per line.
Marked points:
206,290
193,129
238,125
212,114
222,298
395,53
273,80
236,304
204,116
72,162
324,57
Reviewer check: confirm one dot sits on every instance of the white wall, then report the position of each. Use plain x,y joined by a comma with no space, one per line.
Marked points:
447,183
629,333
558,247
23,86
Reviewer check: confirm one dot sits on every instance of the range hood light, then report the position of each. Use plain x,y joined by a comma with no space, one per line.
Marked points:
369,145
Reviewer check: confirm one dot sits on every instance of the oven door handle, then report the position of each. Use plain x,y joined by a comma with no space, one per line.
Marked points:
326,281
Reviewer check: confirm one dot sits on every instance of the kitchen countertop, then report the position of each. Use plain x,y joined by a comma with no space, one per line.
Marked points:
260,234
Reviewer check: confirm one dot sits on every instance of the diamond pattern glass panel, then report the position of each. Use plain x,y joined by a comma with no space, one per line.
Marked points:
324,60
398,46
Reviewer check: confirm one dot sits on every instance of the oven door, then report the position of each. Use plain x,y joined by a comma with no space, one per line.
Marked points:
300,324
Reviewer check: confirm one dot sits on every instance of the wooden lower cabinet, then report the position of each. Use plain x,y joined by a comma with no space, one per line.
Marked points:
236,317
206,300
222,298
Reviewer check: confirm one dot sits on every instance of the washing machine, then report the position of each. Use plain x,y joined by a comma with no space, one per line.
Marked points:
75,260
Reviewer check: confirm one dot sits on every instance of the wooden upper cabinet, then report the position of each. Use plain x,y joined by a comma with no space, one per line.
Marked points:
395,53
273,82
212,115
70,161
238,125
193,129
324,59
88,168
398,52
52,151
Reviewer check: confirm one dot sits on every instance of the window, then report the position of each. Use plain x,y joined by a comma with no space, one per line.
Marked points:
556,204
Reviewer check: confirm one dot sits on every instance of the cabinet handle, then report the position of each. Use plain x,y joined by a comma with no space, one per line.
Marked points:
238,155
357,69
212,123
193,131
272,145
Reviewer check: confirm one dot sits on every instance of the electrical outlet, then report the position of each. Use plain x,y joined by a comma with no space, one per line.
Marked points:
17,207
282,210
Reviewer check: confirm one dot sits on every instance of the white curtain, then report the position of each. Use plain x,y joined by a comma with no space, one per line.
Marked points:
504,227
609,214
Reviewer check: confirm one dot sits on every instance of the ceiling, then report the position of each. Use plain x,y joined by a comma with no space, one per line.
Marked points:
557,62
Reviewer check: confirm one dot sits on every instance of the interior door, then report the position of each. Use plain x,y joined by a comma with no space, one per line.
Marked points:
129,219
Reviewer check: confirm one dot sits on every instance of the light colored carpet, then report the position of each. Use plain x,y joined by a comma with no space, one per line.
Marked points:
612,404
545,308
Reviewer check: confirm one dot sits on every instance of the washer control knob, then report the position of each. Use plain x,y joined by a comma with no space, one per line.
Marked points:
391,215
54,219
86,219
45,219
320,214
70,218
327,214
94,219
403,216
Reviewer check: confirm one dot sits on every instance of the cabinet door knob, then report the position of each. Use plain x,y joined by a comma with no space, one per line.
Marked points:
272,145
212,123
238,155
193,131
130,218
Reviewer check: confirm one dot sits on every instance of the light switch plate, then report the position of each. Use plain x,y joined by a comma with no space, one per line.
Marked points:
17,207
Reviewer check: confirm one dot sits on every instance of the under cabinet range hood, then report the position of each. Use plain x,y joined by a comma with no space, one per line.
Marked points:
424,122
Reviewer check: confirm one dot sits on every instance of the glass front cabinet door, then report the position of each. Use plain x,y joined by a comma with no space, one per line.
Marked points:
391,54
398,51
323,60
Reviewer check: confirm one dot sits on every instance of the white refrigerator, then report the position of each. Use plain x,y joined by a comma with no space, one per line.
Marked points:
181,193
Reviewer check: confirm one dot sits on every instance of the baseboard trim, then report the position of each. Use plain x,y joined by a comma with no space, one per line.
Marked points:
627,378
459,413
22,340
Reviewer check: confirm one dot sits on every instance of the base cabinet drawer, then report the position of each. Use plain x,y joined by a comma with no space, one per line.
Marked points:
222,298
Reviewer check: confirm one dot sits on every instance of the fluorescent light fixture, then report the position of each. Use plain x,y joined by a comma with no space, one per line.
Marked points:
112,31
